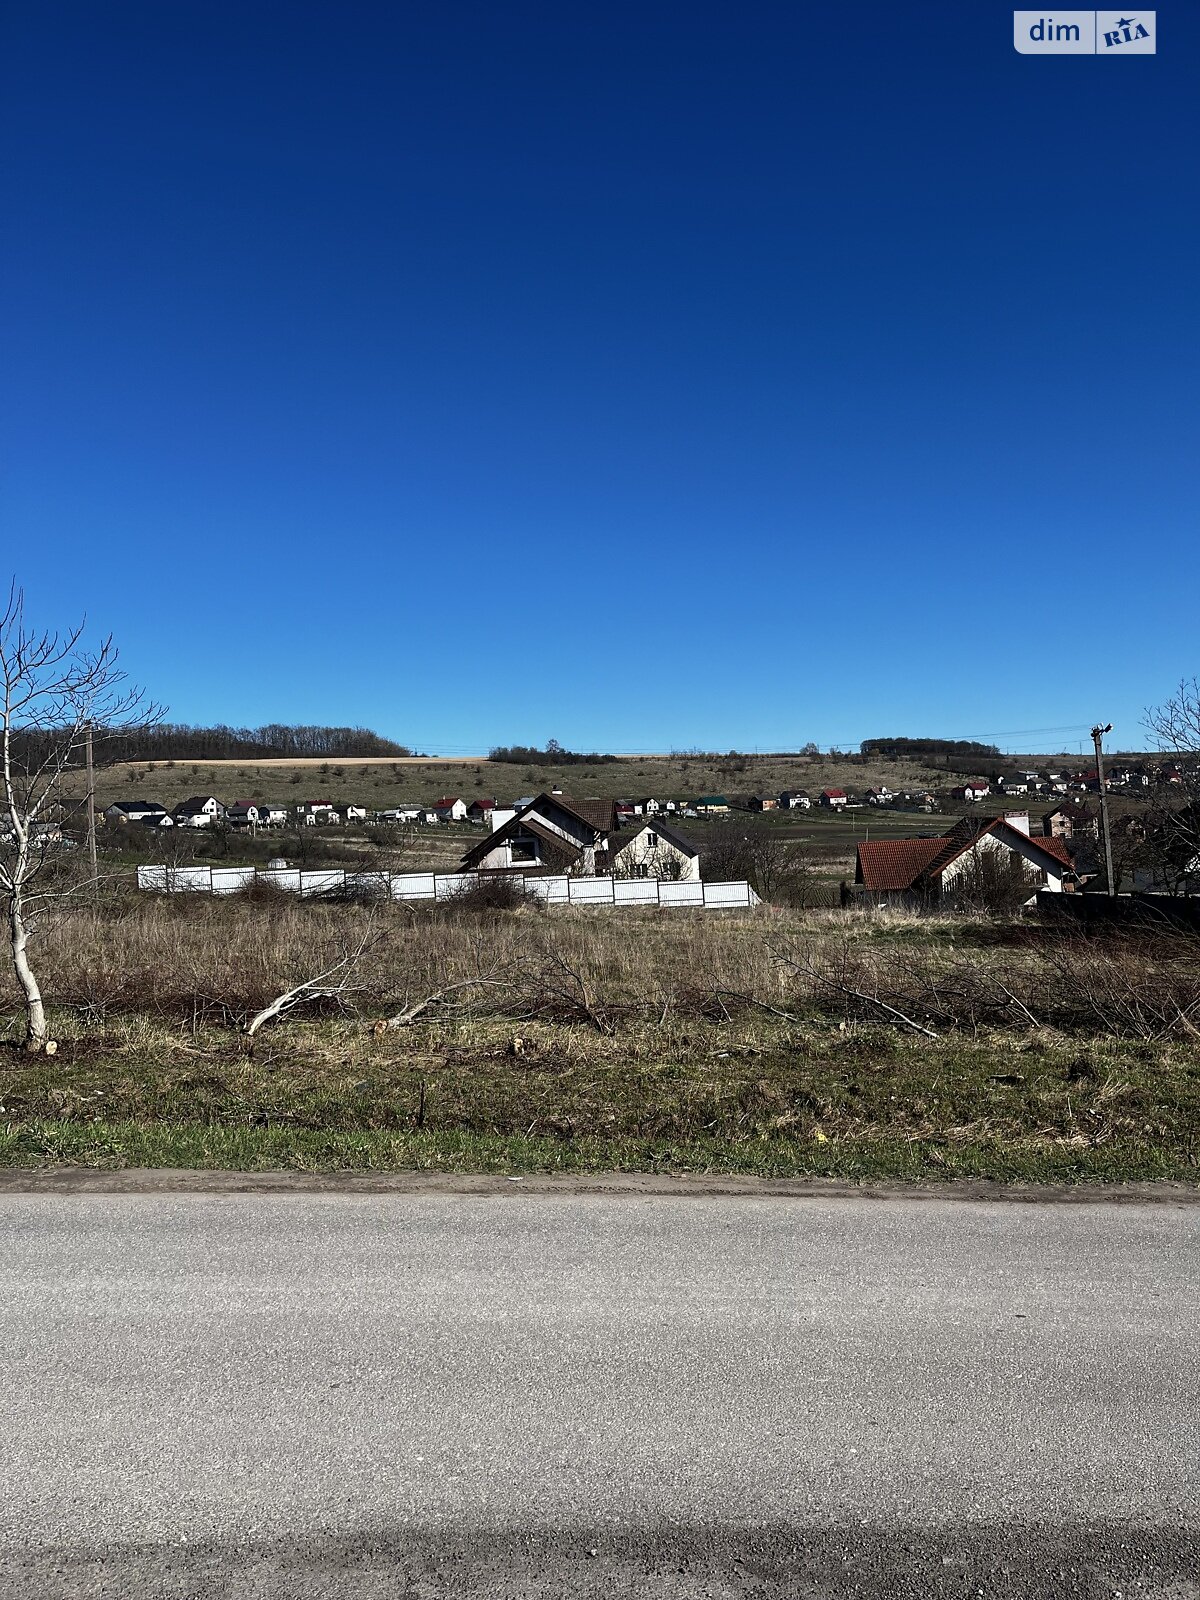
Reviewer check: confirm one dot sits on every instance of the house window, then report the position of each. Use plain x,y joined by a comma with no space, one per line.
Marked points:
652,840
524,849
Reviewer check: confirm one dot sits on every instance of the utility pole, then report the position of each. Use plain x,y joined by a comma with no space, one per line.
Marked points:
1098,733
91,803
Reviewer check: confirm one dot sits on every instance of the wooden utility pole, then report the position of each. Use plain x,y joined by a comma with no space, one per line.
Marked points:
1097,736
91,803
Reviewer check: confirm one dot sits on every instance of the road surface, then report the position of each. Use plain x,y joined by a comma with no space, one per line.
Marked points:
534,1395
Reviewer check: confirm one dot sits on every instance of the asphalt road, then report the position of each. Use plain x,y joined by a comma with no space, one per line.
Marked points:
405,1395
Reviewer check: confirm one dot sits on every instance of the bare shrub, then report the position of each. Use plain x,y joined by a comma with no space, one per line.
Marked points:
490,892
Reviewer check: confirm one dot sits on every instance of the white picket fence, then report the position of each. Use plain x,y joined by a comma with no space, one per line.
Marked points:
556,891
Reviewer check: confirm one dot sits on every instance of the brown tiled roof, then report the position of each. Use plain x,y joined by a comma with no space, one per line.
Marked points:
598,814
895,864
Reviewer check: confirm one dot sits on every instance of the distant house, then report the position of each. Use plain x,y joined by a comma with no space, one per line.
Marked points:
711,805
648,806
148,811
450,808
351,813
1073,819
624,808
313,811
199,811
653,850
401,814
795,800
833,799
243,814
882,796
761,802
553,833
271,816
1014,783
975,789
932,870
481,810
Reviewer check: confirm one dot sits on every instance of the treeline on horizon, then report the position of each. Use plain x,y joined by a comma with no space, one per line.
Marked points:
180,741
928,750
528,755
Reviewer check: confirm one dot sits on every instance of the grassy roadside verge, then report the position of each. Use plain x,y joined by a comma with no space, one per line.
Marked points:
759,1099
129,1144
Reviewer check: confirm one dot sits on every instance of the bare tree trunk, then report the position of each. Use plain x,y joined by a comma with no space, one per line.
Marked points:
36,1038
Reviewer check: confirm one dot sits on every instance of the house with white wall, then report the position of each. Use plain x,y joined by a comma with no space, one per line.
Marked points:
198,811
926,871
653,850
148,811
450,808
553,833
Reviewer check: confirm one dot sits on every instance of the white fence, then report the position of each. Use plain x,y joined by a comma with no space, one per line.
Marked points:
557,891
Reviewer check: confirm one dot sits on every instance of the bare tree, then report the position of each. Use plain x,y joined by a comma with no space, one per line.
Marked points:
778,866
1172,845
55,689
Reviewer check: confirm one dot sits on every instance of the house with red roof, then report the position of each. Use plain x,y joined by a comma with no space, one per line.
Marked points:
925,871
450,808
833,799
971,791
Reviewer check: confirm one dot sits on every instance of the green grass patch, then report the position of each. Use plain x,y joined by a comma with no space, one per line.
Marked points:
703,1098
191,1145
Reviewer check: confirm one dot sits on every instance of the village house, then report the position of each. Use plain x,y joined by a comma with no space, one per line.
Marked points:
711,805
481,810
243,814
973,790
351,813
1014,783
145,811
400,814
652,850
795,800
882,796
271,816
761,802
450,808
553,833
1072,820
926,871
833,799
317,814
199,811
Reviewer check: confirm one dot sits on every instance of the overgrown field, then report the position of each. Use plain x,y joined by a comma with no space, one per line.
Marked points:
379,784
843,1044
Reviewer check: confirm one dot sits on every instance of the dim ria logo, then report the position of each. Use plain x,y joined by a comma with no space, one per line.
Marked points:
1084,33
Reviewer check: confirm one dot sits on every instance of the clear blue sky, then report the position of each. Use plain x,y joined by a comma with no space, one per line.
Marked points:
642,375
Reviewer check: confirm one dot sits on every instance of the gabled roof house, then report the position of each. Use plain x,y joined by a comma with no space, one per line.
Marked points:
552,833
925,870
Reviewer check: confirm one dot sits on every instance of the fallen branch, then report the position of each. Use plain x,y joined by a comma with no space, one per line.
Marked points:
320,987
412,1013
856,994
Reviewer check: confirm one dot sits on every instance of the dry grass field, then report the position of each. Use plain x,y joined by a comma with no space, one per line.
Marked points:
846,1044
380,783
